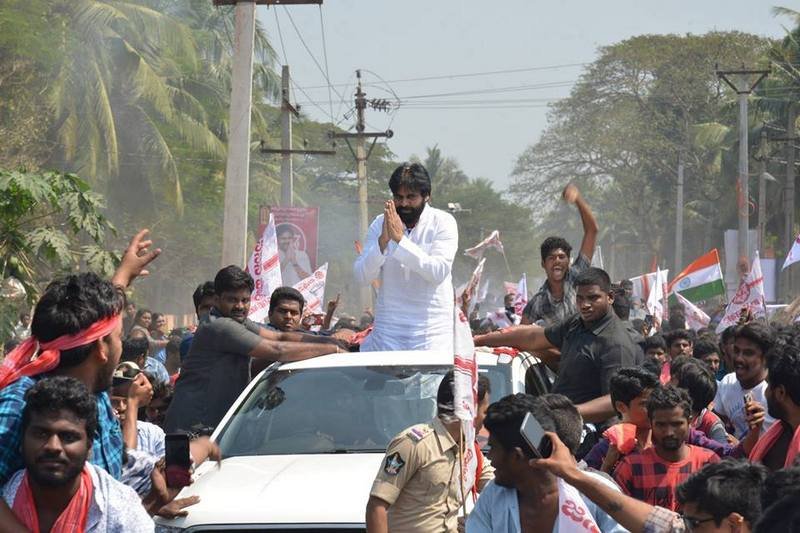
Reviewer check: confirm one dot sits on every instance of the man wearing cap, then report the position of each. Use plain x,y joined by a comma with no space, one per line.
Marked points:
418,486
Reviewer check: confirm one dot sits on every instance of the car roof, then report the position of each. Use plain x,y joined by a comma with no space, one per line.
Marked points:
394,358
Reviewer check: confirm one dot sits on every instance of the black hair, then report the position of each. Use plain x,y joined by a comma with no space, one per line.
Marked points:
759,333
677,364
677,320
232,278
783,516
676,334
140,312
286,293
505,416
72,304
730,486
651,365
698,380
155,317
728,334
413,176
444,396
654,341
783,362
53,394
779,484
203,291
594,276
569,423
704,347
621,305
134,348
552,244
629,382
669,397
282,229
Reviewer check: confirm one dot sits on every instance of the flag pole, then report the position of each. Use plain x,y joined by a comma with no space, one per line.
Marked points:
506,260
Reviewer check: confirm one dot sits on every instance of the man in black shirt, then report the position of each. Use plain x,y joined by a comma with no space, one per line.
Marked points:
217,367
593,343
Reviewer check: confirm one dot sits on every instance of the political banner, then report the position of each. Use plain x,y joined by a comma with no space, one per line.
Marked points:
297,229
695,317
313,290
748,297
492,241
264,266
465,396
521,298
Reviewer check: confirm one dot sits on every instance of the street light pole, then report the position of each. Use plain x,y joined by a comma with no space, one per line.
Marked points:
743,89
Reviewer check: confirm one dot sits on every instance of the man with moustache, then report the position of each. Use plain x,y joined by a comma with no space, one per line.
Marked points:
780,445
410,248
59,490
593,344
653,475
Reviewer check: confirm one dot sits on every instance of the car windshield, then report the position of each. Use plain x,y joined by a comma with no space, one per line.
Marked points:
338,410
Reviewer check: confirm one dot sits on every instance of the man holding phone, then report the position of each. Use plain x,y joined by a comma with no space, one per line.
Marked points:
522,497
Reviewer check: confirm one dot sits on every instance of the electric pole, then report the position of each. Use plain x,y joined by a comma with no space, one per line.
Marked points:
740,82
788,195
287,111
237,168
762,190
679,217
361,155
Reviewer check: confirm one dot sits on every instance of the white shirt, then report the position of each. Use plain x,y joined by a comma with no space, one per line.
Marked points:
729,402
497,511
289,274
415,304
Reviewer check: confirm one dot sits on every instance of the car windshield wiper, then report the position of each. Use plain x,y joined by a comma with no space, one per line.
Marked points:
355,450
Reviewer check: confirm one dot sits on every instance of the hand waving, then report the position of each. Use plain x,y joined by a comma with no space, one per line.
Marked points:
135,260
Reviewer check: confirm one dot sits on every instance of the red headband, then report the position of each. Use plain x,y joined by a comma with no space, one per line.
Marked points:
24,361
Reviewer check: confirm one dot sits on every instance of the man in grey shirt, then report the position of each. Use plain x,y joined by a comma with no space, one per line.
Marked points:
217,368
555,300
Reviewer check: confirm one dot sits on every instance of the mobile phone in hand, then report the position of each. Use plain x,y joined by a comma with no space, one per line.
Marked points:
533,433
748,397
177,459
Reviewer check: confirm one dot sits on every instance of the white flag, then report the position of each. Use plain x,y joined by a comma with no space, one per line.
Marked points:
465,395
695,317
794,254
265,268
749,295
654,305
313,290
492,241
642,284
521,299
472,284
573,514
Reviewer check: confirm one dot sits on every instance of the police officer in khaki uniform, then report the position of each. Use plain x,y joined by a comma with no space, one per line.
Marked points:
417,488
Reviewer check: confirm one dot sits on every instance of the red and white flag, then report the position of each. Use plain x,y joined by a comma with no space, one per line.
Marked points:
265,268
573,514
642,284
473,283
465,396
749,295
794,254
656,300
695,317
492,241
313,290
521,299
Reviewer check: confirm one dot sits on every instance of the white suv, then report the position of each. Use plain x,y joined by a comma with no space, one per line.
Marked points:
304,441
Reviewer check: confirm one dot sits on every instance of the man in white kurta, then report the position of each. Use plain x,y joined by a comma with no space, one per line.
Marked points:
413,258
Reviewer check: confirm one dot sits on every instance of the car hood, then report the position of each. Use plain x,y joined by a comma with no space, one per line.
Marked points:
282,489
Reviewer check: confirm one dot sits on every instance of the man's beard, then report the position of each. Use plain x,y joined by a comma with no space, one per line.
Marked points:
45,479
671,444
775,410
410,215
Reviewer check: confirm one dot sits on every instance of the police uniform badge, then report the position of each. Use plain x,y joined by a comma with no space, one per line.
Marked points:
393,464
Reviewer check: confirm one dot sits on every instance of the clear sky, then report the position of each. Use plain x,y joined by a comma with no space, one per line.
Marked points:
487,128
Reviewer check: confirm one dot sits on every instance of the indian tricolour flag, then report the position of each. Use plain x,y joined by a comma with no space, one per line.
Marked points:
700,280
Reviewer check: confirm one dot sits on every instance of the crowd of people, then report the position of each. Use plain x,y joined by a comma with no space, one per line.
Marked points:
648,429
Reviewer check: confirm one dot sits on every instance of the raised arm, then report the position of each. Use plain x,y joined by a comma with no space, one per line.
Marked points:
286,352
630,513
572,195
526,338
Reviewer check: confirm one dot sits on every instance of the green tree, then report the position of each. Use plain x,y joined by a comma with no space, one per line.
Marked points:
49,223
